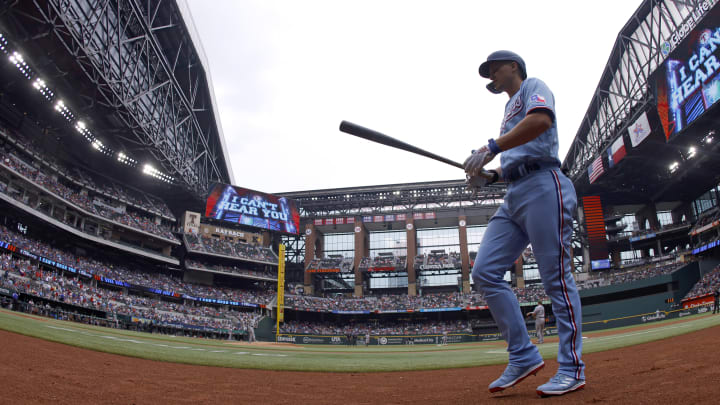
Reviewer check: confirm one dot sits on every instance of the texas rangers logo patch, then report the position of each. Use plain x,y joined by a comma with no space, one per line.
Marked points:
536,98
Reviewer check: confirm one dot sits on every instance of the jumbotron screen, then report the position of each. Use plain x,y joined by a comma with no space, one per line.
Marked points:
687,83
252,208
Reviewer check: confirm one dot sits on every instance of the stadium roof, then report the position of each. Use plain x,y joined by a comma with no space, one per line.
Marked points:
133,70
448,195
621,96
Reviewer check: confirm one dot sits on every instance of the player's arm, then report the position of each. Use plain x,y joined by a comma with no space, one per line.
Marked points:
532,126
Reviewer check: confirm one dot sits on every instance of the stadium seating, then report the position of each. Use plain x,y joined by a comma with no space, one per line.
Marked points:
708,284
24,276
118,272
608,277
244,251
108,200
376,328
194,264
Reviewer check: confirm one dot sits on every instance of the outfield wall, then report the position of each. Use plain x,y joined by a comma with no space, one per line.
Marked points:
389,340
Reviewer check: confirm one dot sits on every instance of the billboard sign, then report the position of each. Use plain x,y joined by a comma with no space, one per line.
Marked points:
252,208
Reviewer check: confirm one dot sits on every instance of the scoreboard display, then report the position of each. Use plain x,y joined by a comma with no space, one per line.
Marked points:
687,83
252,208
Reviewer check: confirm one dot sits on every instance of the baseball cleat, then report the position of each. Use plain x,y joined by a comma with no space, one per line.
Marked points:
513,375
560,384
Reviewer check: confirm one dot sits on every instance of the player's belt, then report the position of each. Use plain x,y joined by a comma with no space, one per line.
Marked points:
522,170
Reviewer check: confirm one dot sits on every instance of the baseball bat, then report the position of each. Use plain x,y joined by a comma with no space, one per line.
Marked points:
370,135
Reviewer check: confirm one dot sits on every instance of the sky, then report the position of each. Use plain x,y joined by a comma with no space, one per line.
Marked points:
286,73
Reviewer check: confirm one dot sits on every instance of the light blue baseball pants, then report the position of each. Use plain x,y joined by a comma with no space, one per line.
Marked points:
538,209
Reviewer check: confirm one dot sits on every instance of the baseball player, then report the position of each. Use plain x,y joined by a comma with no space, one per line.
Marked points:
539,314
538,208
444,338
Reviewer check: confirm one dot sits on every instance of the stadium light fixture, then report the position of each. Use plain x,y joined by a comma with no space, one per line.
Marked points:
64,110
3,43
39,85
709,137
691,152
17,59
152,172
674,167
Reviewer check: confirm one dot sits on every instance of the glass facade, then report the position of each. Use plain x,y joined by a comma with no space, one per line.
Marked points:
339,244
664,217
447,239
706,201
475,235
394,242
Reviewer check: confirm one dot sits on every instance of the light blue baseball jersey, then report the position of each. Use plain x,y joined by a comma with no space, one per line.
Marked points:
533,95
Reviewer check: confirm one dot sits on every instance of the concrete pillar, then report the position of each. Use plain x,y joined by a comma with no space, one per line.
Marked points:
411,233
683,210
464,254
362,249
648,213
312,235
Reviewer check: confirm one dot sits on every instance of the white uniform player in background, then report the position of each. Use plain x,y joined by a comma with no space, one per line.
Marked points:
539,314
444,338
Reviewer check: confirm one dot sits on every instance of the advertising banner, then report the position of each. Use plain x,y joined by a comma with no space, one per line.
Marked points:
252,208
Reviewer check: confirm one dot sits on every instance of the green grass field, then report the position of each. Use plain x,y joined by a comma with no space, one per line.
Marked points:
320,358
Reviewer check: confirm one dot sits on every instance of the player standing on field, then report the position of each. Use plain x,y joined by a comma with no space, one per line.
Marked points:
539,314
538,208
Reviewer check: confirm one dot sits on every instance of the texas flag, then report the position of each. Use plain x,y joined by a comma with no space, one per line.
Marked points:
536,98
616,152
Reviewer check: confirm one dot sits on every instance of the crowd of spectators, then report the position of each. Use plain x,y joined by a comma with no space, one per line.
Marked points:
98,204
385,262
708,284
82,177
375,328
531,293
228,247
608,277
194,264
345,264
134,276
24,276
438,260
383,302
707,219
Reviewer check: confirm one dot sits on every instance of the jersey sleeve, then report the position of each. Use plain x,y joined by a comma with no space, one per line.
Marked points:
539,98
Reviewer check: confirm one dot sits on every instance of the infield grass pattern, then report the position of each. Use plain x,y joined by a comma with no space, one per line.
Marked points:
220,353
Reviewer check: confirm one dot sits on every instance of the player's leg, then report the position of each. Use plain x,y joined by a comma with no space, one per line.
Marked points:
548,219
502,243
540,330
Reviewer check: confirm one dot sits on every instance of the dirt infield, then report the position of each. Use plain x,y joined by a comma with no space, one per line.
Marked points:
684,369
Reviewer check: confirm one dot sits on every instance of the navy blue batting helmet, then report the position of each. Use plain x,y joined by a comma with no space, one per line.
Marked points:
503,56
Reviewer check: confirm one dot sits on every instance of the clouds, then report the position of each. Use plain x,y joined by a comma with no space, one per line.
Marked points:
286,73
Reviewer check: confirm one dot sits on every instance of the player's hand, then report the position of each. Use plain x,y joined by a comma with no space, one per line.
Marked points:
475,183
477,160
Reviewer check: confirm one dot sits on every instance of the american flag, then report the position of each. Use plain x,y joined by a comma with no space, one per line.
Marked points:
596,169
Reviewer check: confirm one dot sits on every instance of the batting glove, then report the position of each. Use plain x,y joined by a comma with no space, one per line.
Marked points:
475,183
477,160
